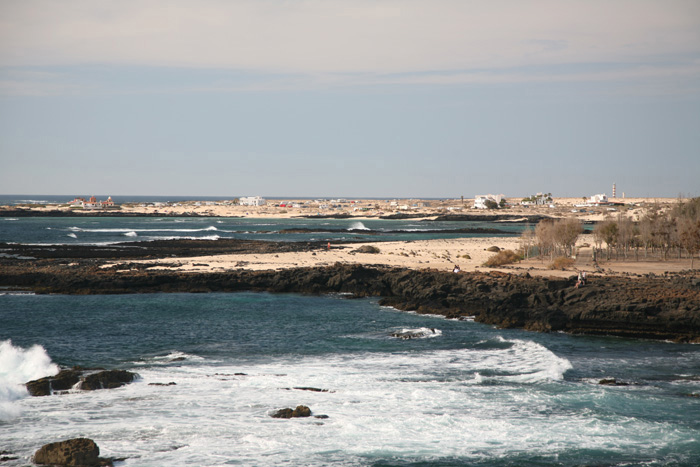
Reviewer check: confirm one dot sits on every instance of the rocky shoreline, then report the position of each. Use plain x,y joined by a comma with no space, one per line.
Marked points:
651,307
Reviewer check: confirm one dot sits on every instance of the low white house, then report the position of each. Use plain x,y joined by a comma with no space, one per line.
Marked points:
540,199
598,199
480,201
251,201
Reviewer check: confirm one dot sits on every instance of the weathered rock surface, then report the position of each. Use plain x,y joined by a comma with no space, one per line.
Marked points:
89,381
63,381
72,452
108,379
300,411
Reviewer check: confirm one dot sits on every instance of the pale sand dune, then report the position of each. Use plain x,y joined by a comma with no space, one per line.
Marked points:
438,254
420,254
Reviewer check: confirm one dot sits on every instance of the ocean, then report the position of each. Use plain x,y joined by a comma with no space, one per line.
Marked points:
461,393
111,230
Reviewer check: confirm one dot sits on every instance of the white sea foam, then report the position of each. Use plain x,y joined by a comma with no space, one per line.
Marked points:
131,234
126,230
183,237
11,218
357,226
17,366
417,333
173,357
405,405
72,235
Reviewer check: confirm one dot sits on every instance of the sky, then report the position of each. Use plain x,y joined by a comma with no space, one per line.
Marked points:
350,98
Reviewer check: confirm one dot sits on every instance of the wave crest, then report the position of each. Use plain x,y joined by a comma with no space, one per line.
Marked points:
17,366
357,226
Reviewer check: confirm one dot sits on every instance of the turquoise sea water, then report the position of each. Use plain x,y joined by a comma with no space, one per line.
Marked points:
110,230
461,394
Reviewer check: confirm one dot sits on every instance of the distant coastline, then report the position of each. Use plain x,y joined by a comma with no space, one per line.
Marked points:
451,209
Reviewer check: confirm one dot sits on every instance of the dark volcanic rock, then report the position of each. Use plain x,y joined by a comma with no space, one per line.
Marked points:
66,379
300,411
612,382
63,381
73,452
156,248
6,456
530,218
108,379
653,307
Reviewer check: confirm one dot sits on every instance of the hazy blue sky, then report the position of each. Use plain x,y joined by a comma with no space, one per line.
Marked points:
376,98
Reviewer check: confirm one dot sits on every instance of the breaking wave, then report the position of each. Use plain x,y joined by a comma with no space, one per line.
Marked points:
125,230
17,366
357,226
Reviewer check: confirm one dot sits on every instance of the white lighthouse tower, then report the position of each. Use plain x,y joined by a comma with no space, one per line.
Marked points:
614,193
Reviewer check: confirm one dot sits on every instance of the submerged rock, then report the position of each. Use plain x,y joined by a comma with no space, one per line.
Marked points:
300,411
612,382
72,452
4,457
414,333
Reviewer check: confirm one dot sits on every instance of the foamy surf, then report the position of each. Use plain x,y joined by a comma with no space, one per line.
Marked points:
400,405
127,230
213,368
170,358
18,366
418,333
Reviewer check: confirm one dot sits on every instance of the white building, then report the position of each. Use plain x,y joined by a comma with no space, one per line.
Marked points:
540,199
251,201
598,199
480,200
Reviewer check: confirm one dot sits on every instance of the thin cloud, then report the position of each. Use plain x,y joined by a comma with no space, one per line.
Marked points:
335,36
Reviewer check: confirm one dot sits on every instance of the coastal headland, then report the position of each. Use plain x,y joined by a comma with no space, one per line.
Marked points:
633,298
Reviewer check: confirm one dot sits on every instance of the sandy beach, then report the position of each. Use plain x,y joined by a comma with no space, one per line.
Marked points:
440,254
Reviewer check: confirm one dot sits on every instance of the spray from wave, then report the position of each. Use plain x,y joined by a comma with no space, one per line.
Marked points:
17,366
357,226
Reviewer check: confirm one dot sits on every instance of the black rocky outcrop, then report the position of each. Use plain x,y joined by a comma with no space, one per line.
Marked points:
89,380
655,307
